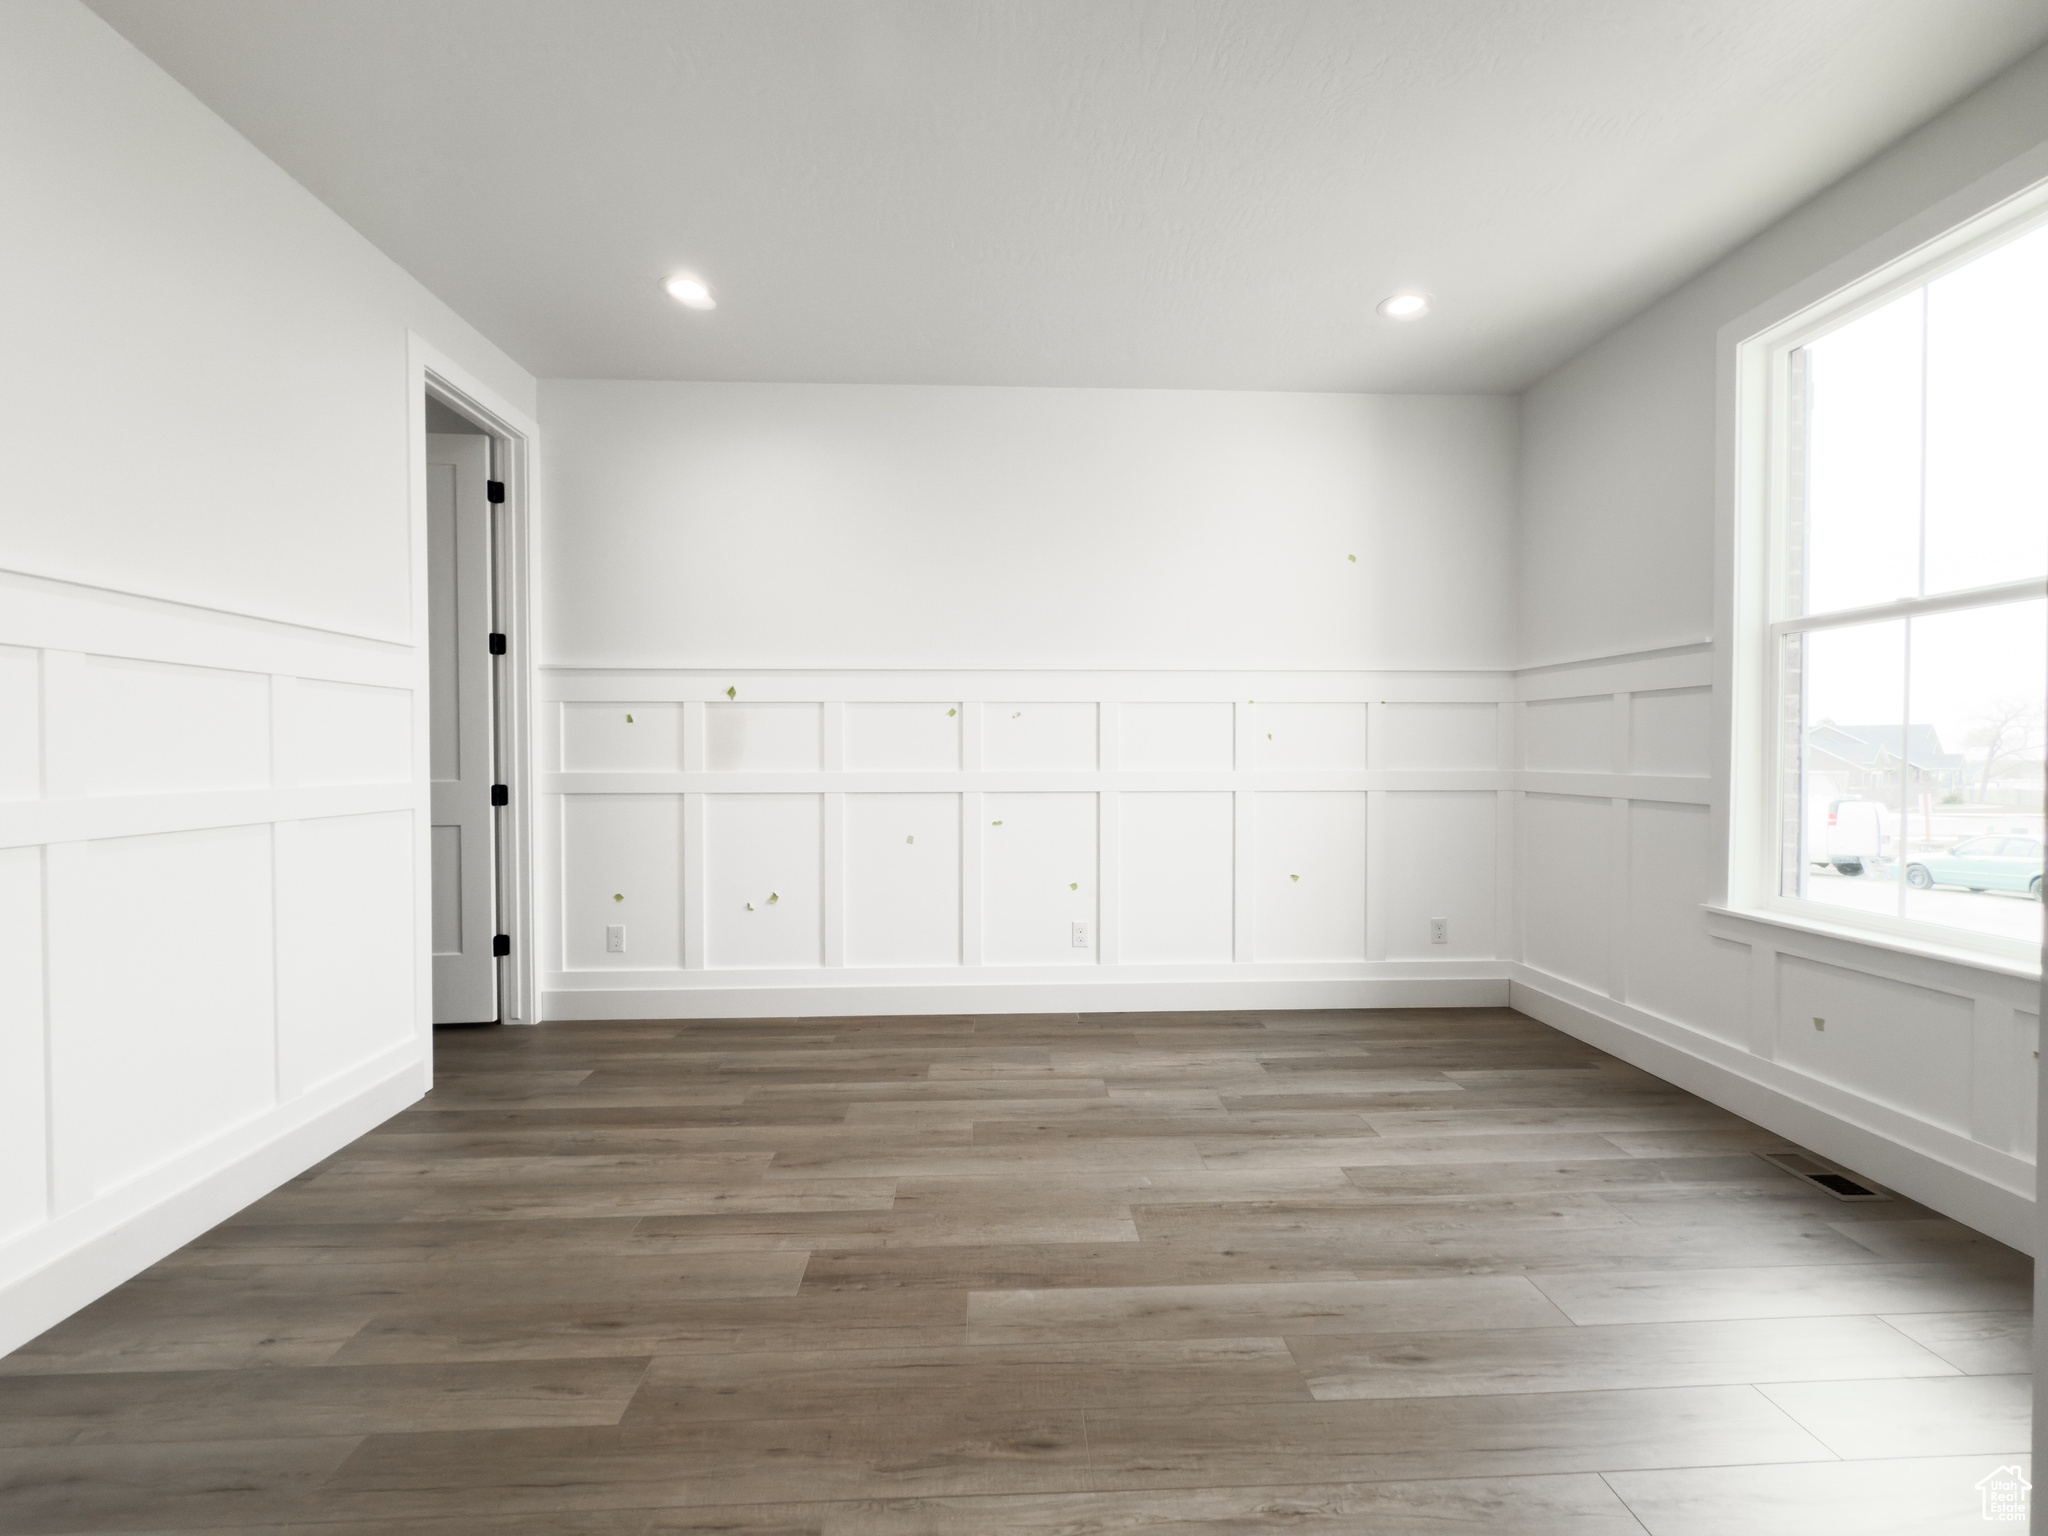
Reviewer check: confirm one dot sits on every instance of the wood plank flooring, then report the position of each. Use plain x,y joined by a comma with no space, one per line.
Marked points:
1182,1275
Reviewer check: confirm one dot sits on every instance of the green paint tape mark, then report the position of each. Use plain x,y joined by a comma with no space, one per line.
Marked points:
1294,877
1352,558
910,839
732,693
951,713
773,898
1073,885
619,897
629,719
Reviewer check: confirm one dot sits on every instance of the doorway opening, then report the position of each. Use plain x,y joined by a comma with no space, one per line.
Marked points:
474,597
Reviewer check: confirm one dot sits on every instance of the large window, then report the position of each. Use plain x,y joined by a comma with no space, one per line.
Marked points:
1906,611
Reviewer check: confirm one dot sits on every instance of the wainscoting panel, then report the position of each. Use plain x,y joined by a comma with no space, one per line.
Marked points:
929,836
1038,860
1921,1074
764,881
624,867
210,858
1436,736
903,874
1439,863
1176,856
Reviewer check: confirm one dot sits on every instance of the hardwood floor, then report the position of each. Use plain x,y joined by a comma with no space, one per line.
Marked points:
1390,1272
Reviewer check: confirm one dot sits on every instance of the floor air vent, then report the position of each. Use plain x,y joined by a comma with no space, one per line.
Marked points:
1835,1182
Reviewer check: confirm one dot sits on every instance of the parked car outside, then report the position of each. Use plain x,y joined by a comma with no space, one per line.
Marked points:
1982,864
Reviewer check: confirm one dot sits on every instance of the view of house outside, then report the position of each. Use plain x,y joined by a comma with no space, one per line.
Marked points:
1923,472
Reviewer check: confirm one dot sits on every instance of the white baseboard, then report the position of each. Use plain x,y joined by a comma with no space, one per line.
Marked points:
1979,1186
741,1001
49,1272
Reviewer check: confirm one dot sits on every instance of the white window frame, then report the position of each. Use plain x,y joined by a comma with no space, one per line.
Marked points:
1762,407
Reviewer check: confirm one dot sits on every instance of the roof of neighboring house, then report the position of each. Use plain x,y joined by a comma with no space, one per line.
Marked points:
1863,745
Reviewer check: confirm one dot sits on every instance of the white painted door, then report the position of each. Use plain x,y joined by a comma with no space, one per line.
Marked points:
462,768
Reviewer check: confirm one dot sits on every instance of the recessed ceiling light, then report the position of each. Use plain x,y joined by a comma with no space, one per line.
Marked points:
691,292
1406,305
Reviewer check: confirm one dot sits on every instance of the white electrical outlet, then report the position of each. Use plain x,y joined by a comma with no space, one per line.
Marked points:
1080,935
1439,930
615,938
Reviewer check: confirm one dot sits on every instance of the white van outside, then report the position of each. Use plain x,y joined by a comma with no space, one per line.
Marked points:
1851,835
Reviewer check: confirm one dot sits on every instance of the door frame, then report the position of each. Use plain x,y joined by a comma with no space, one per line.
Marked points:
515,441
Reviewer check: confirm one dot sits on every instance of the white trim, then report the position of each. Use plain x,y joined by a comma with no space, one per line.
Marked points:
1883,930
1943,967
566,683
516,458
1480,984
41,612
1989,1190
1753,372
53,1270
1913,607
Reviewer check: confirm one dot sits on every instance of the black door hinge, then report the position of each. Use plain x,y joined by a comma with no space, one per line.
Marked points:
497,645
501,946
494,491
500,795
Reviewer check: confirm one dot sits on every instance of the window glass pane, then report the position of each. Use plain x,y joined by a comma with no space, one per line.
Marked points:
1853,709
1987,418
1861,493
1973,792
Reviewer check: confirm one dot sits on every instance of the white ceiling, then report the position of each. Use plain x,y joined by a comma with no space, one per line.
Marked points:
1177,193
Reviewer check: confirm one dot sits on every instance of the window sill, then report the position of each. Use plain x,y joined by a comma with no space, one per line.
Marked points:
1893,943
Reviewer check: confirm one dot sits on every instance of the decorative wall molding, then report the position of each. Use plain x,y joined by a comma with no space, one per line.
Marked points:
209,833
1920,1073
1378,752
1982,1188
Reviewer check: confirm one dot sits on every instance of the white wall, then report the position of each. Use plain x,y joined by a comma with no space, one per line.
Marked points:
1104,655
771,525
211,775
1924,1077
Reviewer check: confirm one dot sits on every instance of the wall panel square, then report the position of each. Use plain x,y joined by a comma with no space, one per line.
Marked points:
1309,875
628,846
902,738
162,994
1569,735
622,738
1038,877
1175,869
1670,731
1566,877
1176,737
764,880
1295,737
2025,1068
349,733
23,1199
1457,736
1905,1046
1439,852
1057,737
1675,968
902,879
148,727
344,944
20,724
744,737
